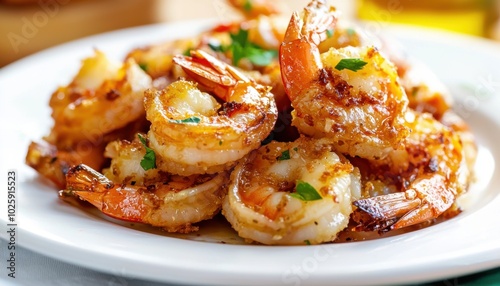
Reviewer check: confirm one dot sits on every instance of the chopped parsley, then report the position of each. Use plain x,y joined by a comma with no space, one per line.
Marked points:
143,67
350,31
216,47
247,6
186,120
149,160
305,192
241,48
350,64
307,242
329,33
187,52
285,155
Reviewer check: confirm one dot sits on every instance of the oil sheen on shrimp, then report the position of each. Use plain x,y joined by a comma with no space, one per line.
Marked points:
103,97
192,133
153,197
362,111
428,175
261,207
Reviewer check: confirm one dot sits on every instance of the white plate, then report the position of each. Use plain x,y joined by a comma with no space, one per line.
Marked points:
462,245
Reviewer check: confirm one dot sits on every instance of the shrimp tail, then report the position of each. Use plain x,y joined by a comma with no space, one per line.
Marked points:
211,73
382,212
93,187
299,53
426,200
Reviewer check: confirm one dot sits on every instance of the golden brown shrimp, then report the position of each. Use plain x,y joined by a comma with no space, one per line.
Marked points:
152,197
156,60
361,110
291,193
192,133
103,97
427,175
53,164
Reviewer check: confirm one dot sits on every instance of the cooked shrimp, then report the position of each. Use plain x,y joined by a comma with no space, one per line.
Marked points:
192,133
428,175
362,112
263,206
152,197
103,97
156,60
53,164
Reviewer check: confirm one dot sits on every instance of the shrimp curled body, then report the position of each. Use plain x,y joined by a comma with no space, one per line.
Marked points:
261,208
192,133
152,197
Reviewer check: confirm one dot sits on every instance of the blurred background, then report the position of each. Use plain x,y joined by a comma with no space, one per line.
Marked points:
27,26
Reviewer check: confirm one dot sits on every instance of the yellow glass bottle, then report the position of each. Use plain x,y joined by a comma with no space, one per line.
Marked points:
464,16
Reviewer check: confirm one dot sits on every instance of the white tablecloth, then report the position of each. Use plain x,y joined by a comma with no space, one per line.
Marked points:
33,269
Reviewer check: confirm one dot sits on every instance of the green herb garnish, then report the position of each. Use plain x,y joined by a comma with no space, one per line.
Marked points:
350,31
247,6
149,160
187,52
329,33
241,48
143,67
305,192
285,155
350,64
307,242
216,47
186,120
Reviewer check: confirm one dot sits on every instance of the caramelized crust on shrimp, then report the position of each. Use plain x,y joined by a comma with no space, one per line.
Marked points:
103,97
152,197
192,133
261,207
428,174
362,112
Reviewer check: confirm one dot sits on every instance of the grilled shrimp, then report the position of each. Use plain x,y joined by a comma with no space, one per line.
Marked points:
152,197
291,193
420,182
362,112
192,133
103,97
53,164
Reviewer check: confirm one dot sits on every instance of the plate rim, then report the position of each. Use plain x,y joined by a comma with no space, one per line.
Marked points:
37,244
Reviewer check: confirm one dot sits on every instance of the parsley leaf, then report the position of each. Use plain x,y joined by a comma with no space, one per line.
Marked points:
241,48
149,160
260,56
187,52
305,192
350,31
307,242
216,47
143,67
350,64
186,120
329,33
247,6
285,155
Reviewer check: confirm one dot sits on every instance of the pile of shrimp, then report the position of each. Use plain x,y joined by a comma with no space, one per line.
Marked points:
295,133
